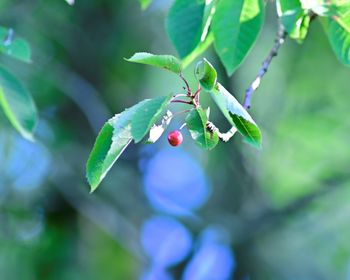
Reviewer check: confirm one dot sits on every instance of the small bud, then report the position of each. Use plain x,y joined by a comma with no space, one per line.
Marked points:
175,138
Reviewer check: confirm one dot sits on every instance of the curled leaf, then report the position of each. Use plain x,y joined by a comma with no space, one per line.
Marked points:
206,74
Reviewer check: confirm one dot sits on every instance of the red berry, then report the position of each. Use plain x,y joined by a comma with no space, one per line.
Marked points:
175,138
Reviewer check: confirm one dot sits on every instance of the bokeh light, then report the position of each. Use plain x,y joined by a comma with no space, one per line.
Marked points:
174,182
213,260
156,273
165,240
26,162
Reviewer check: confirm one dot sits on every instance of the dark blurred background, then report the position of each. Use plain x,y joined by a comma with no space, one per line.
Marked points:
171,213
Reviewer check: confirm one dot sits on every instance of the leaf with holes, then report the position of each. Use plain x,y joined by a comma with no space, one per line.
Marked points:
147,115
17,104
196,122
236,26
167,62
156,131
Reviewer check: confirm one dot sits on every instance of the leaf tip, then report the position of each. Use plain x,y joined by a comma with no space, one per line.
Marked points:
255,143
92,189
258,146
27,135
230,70
92,182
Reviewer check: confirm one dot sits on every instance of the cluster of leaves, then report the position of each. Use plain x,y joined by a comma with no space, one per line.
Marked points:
136,122
193,25
334,15
15,101
233,26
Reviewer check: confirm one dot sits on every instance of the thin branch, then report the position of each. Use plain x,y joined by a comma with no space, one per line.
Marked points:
188,89
197,93
281,36
182,101
180,94
189,92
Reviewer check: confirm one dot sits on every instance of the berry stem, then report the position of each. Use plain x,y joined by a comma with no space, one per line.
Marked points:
188,89
193,96
180,94
197,94
182,101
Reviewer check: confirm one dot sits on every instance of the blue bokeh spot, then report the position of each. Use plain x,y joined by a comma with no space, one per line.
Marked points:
156,273
175,183
165,241
212,261
26,163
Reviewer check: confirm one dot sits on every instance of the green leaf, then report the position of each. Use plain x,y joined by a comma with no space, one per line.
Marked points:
156,131
303,29
294,18
230,107
236,26
110,143
17,104
117,134
201,48
184,25
237,115
103,156
206,74
209,12
207,37
17,48
339,37
196,122
289,11
147,115
340,8
145,4
167,62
